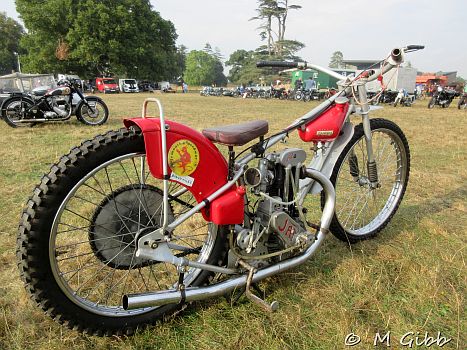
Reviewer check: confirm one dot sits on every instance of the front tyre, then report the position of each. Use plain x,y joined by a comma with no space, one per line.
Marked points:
94,113
76,244
363,210
432,102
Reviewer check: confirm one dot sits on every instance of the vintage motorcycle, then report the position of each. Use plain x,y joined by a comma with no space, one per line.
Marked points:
442,97
134,224
403,99
57,104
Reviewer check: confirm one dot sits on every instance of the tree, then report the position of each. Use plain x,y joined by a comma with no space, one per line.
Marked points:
137,41
243,67
267,11
336,60
203,69
10,35
181,59
239,61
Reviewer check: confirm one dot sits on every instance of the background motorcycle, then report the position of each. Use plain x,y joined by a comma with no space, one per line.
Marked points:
442,97
403,98
387,96
57,104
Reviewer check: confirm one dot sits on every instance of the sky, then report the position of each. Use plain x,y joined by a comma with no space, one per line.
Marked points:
360,29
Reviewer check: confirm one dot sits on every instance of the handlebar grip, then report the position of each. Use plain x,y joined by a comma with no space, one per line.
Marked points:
414,47
281,64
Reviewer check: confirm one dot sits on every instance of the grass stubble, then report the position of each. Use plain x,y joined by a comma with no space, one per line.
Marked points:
410,278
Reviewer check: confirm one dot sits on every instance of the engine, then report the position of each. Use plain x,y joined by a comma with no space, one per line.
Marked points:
277,229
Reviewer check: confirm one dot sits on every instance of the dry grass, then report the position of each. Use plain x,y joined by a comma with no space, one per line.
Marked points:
410,278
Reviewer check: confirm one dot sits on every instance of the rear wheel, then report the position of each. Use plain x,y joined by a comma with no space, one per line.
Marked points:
15,110
76,244
361,209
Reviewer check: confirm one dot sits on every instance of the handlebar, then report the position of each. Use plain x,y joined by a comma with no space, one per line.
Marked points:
395,58
411,48
282,64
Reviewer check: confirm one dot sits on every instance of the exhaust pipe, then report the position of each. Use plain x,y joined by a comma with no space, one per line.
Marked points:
151,299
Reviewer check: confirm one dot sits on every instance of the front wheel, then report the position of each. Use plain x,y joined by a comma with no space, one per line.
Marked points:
95,112
432,102
77,237
362,210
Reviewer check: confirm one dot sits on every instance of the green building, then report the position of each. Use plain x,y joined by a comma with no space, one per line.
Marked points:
323,80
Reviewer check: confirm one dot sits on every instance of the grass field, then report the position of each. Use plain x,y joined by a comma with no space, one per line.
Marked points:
410,278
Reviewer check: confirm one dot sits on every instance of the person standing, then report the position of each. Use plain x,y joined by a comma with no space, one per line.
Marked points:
310,84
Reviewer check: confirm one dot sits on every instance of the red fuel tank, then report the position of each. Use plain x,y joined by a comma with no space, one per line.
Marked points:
327,126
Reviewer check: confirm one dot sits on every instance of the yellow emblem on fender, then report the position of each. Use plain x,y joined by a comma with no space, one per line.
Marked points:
183,157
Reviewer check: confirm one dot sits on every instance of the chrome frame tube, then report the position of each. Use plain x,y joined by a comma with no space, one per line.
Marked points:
201,205
151,299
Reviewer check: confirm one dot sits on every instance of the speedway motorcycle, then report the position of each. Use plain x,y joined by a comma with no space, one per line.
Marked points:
442,97
133,225
53,105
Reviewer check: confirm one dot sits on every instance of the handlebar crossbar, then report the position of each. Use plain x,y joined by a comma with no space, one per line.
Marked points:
395,58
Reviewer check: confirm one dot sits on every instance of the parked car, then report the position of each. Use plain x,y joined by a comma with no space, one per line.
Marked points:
128,85
146,85
107,85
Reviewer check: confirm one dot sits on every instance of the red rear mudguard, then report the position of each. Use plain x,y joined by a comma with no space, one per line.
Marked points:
195,163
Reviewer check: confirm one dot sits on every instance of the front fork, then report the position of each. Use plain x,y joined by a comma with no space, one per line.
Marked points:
372,169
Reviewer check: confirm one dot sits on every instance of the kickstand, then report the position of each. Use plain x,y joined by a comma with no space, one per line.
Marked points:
234,299
255,299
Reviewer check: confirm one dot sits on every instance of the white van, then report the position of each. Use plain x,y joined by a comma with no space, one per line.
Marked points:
128,85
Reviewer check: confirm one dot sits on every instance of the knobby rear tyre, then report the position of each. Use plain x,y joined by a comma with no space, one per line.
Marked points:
38,263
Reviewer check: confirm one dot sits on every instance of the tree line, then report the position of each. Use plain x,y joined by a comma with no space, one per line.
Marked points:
130,38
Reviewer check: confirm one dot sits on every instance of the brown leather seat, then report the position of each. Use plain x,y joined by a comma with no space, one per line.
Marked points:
237,134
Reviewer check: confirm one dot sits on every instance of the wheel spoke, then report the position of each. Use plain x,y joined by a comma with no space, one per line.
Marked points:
360,208
94,235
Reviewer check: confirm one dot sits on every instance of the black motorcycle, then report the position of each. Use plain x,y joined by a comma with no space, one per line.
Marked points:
462,104
387,96
57,104
442,97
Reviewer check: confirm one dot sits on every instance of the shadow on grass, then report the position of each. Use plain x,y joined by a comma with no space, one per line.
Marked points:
406,219
329,256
